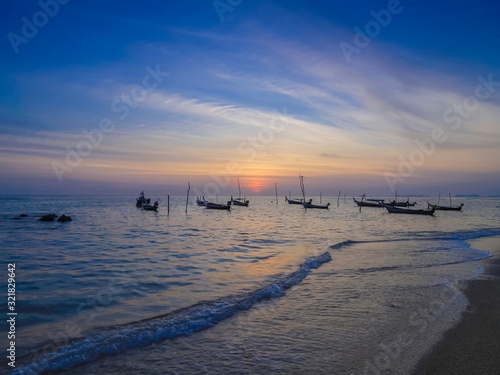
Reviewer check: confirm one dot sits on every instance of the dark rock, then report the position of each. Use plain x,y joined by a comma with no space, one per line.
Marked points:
19,217
50,217
64,218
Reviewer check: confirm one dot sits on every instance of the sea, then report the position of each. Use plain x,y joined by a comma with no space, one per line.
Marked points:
271,288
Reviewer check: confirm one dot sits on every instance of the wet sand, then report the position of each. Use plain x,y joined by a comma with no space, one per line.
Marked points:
473,345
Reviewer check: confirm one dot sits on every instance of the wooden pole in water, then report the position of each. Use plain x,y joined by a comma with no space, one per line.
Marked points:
276,190
338,199
450,198
301,180
187,197
168,204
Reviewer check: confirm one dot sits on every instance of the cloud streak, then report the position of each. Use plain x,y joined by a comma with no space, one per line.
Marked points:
228,84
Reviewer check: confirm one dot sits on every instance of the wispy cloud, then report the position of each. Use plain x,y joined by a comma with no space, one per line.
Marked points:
226,86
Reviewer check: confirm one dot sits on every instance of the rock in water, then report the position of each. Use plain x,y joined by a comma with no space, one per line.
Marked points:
19,217
50,217
64,218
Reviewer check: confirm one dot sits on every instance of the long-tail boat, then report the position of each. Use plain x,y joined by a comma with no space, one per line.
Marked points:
369,202
399,210
445,208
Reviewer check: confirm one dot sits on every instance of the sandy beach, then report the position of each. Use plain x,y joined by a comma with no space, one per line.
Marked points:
473,345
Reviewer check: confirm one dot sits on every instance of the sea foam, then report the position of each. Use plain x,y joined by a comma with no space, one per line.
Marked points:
181,322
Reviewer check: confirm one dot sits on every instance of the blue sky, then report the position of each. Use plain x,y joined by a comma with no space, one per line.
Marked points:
260,91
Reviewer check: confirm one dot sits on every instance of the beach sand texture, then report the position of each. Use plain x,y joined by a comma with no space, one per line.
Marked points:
473,345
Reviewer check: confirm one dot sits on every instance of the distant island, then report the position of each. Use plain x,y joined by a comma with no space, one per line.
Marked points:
414,195
467,195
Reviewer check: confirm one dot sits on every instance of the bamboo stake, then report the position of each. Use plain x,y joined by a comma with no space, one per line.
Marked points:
338,199
168,204
187,197
301,180
276,190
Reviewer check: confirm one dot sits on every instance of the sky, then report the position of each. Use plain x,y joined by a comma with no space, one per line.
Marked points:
358,96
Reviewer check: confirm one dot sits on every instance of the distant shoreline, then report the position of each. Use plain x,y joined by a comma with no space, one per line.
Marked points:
251,195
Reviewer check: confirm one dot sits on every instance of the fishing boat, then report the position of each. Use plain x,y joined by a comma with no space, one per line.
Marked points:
217,206
445,208
142,200
149,207
295,201
239,201
369,202
406,203
200,201
399,210
310,205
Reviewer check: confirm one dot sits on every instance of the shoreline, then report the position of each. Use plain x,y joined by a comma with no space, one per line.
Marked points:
472,346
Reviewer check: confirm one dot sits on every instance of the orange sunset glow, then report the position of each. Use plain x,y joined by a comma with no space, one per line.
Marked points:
265,107
256,185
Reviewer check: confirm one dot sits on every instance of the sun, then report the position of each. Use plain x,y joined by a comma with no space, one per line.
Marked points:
255,185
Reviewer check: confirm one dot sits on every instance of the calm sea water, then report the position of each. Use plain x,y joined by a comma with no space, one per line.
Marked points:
269,288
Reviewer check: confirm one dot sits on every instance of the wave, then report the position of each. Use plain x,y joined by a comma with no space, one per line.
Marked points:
181,322
428,236
459,239
471,235
342,244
